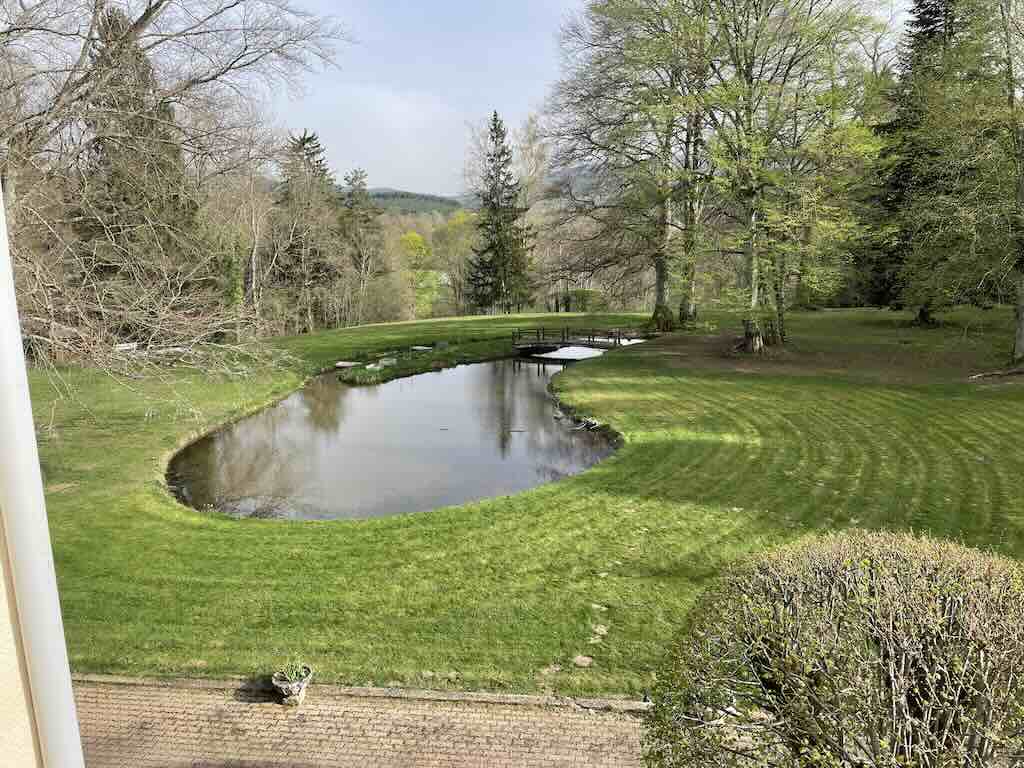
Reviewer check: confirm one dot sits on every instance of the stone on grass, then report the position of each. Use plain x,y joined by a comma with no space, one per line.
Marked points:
583,661
554,669
343,365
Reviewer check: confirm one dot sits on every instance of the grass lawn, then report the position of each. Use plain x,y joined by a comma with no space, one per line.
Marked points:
863,421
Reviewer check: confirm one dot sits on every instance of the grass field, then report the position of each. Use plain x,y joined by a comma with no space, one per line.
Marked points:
864,421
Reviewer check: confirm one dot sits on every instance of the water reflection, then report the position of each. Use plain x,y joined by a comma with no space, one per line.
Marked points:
332,451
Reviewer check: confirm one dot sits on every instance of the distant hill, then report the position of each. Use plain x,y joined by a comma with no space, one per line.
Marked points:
399,201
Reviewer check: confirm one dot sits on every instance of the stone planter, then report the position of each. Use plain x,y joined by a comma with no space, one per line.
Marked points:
293,692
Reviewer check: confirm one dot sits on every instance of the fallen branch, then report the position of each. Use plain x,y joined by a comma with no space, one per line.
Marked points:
998,374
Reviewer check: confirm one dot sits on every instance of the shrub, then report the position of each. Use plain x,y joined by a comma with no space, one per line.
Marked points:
863,649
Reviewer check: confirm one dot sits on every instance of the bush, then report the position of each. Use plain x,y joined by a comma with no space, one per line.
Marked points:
863,649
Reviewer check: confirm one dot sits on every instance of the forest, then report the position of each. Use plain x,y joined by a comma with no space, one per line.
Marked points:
753,157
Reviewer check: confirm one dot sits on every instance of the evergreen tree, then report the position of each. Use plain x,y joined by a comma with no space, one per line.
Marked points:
135,215
498,275
306,230
133,196
361,235
953,145
944,45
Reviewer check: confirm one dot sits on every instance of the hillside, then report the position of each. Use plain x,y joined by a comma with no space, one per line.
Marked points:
399,201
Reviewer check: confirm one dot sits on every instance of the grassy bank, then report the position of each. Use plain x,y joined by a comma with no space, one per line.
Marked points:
864,421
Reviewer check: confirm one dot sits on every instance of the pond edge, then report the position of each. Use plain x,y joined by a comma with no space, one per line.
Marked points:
615,439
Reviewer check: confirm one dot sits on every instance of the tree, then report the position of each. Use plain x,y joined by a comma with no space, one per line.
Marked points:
453,245
857,650
119,121
136,210
305,234
498,275
423,278
1011,37
962,201
766,54
532,161
628,125
359,221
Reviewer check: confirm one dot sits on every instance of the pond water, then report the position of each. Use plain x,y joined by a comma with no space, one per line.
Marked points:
331,451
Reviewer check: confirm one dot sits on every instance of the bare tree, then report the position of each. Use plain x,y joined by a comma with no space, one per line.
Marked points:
93,89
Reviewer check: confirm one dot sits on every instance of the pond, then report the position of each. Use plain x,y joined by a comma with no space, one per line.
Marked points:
332,451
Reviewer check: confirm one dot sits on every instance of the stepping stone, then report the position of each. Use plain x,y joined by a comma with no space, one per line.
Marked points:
387,362
342,365
583,661
422,349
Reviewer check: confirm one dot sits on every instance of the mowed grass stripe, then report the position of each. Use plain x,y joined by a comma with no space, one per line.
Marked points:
723,456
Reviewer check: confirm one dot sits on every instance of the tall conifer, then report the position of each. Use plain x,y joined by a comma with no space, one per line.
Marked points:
498,276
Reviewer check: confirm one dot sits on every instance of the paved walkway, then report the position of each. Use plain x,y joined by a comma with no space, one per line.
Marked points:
198,724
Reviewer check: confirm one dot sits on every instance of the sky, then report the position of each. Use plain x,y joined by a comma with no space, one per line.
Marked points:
418,71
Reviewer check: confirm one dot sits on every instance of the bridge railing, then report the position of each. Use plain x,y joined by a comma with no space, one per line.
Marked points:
614,336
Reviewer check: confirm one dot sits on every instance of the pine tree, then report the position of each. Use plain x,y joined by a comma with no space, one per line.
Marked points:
134,188
945,45
306,229
136,216
498,275
952,130
361,237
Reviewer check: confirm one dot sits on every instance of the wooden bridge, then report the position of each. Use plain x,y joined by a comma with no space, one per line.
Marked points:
540,340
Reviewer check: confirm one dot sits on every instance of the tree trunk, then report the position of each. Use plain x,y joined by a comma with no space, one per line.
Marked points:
924,317
1018,348
753,339
688,302
780,299
663,319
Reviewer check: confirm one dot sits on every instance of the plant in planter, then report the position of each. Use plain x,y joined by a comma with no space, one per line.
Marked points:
291,682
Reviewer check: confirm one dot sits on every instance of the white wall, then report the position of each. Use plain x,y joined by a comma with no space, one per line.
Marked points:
17,737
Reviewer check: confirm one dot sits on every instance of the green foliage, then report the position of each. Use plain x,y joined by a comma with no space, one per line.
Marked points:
416,250
499,272
960,209
949,188
307,262
397,201
293,669
863,649
452,244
